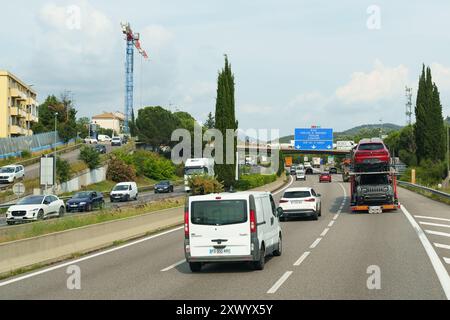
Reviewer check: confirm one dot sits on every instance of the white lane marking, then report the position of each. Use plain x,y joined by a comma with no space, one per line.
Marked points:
324,232
435,224
345,192
336,216
281,190
442,246
173,266
447,260
438,266
4,283
315,243
432,218
302,258
280,282
331,224
437,233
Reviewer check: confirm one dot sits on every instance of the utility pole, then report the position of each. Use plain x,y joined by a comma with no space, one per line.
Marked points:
54,159
408,105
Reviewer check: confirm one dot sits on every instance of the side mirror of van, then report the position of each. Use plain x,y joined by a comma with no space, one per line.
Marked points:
279,212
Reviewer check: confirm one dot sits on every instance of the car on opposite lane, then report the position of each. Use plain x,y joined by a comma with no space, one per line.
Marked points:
300,203
11,173
100,148
164,187
325,176
85,201
32,208
124,191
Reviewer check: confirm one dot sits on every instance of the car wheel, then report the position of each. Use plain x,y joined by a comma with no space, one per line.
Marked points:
171,189
320,211
195,266
88,207
136,197
279,250
315,216
61,212
259,265
10,223
40,215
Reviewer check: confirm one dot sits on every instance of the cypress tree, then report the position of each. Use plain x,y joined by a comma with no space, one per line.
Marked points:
225,119
429,127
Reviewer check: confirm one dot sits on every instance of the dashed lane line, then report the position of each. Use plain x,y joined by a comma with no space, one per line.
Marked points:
280,282
324,232
435,224
331,224
442,246
302,258
315,243
432,218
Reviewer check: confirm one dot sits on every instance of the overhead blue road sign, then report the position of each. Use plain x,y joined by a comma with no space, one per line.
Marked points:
314,145
313,134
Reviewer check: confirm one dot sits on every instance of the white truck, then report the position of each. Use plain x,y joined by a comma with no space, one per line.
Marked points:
197,166
316,162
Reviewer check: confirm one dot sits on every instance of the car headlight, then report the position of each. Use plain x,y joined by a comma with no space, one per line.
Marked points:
82,203
34,210
364,190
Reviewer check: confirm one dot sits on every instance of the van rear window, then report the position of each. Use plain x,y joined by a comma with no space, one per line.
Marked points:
218,213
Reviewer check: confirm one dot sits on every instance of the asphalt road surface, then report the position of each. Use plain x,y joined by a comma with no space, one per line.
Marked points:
336,257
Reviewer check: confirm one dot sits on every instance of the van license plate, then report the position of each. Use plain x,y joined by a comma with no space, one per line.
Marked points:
219,251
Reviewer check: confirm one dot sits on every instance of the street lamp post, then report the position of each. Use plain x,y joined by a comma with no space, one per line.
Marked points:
54,160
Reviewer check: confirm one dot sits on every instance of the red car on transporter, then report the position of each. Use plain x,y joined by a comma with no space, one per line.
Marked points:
325,177
371,153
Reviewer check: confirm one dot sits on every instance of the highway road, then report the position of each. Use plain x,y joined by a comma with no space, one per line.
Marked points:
335,257
144,197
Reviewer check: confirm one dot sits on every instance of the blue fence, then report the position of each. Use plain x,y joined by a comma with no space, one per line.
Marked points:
13,147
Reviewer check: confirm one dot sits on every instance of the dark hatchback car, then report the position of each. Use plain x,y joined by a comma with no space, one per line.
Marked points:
85,201
333,170
164,187
100,148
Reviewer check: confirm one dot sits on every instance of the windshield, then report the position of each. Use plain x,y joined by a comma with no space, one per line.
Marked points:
192,171
7,170
374,179
218,213
31,200
81,195
371,146
164,183
120,188
297,194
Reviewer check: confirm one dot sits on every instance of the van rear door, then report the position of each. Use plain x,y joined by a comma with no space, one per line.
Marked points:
219,228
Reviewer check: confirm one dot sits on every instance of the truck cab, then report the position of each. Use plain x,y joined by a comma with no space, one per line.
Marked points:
200,166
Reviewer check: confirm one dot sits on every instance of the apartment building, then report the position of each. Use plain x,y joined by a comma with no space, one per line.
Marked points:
18,106
110,120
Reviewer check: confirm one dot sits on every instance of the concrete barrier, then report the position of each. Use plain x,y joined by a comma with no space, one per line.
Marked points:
57,246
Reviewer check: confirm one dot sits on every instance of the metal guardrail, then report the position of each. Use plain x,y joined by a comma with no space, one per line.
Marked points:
418,186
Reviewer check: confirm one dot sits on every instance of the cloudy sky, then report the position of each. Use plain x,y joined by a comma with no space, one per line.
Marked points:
296,63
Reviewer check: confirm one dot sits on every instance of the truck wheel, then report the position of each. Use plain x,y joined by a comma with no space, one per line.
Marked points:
195,266
259,265
279,250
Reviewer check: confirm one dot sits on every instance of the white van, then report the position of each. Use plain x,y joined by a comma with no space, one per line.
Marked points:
226,227
104,138
124,191
11,173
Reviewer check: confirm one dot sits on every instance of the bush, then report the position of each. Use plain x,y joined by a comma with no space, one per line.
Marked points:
429,173
201,185
25,154
119,171
252,181
152,165
90,156
62,170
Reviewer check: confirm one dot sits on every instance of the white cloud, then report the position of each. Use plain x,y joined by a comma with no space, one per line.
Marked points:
382,83
156,37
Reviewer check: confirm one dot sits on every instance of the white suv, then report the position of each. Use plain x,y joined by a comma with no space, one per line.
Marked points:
34,208
300,202
9,174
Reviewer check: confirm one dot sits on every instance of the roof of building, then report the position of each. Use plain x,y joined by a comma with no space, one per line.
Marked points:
110,115
6,73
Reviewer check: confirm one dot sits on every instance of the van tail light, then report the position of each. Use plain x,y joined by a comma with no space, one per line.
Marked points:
310,200
252,221
186,224
283,201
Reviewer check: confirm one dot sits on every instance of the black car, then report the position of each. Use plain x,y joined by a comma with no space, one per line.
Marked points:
164,187
100,148
85,201
333,170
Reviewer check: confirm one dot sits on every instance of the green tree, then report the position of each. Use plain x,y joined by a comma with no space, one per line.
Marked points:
90,156
429,127
63,170
155,126
225,119
83,126
210,122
